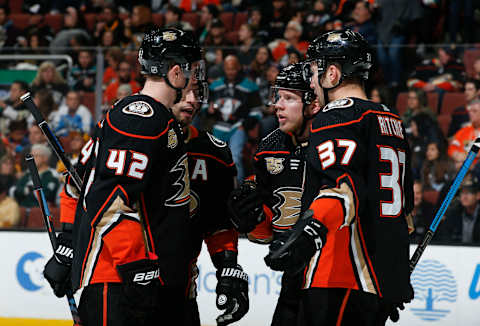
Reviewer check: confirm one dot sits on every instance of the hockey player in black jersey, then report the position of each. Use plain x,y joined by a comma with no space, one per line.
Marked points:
130,234
212,178
275,197
359,186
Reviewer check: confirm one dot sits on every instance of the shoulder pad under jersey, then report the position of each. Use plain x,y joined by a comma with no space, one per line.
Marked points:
209,145
274,141
139,116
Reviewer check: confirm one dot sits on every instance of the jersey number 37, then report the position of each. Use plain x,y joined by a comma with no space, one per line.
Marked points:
391,180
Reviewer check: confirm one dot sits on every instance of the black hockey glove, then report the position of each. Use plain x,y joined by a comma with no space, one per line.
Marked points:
141,282
246,207
292,250
232,294
58,268
392,310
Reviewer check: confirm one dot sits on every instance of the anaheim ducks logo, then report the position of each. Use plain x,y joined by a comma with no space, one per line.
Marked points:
139,108
169,36
287,209
274,164
182,196
172,139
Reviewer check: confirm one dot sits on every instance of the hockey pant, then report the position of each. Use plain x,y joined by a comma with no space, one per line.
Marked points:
339,307
287,311
105,304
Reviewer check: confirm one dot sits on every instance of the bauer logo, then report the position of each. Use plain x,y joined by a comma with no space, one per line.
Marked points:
29,271
435,290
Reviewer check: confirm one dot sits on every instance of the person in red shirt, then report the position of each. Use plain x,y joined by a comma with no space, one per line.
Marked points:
292,36
463,139
124,77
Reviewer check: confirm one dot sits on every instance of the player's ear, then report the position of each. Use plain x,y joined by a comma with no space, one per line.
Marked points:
315,107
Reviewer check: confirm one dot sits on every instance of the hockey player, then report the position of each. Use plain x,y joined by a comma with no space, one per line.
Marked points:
280,178
212,178
359,186
130,234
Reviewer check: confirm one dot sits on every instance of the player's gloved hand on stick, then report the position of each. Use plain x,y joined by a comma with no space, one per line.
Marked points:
232,294
141,282
58,268
246,207
296,246
392,310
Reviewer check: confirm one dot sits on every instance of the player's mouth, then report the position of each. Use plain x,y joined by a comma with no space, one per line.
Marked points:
187,111
281,118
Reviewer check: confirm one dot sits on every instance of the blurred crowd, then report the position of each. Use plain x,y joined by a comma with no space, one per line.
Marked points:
428,68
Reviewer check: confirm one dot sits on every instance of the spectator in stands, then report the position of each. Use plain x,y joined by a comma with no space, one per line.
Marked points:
76,139
13,108
438,169
48,78
216,39
292,36
256,19
112,23
460,115
72,116
35,136
123,90
83,74
258,71
8,32
45,103
17,139
422,131
9,209
422,213
417,104
215,64
392,29
7,170
207,14
173,19
382,95
280,18
136,26
463,139
445,73
461,13
363,22
23,189
73,25
113,57
124,74
462,221
234,96
243,144
248,44
316,18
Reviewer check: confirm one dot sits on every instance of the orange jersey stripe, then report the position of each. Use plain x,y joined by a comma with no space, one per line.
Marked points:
221,241
354,121
134,135
68,206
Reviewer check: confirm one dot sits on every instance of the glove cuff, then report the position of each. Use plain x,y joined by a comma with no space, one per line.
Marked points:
233,272
141,271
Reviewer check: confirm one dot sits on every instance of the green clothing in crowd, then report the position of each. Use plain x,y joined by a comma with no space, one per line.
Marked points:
23,189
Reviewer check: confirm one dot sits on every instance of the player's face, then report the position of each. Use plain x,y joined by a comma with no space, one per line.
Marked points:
315,85
185,110
289,110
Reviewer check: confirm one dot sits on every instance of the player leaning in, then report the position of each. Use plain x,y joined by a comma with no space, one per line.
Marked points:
359,187
280,178
212,177
130,235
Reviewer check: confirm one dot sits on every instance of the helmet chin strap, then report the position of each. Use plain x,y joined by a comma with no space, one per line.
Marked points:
327,89
178,90
304,122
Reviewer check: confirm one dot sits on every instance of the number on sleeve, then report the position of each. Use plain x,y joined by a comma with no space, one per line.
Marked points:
392,181
116,160
326,154
138,165
86,151
350,147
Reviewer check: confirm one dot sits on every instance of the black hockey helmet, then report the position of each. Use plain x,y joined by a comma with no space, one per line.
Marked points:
291,78
345,47
161,47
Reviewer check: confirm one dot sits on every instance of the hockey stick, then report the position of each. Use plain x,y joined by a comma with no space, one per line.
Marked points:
52,139
446,201
47,219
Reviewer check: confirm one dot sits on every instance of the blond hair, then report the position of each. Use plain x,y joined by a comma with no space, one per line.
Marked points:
57,78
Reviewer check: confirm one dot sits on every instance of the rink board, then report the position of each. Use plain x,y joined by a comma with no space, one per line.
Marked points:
447,285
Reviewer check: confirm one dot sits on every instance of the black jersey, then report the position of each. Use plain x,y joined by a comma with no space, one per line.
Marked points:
280,171
359,185
135,197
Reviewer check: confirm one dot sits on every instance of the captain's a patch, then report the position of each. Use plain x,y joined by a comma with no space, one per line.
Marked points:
140,108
